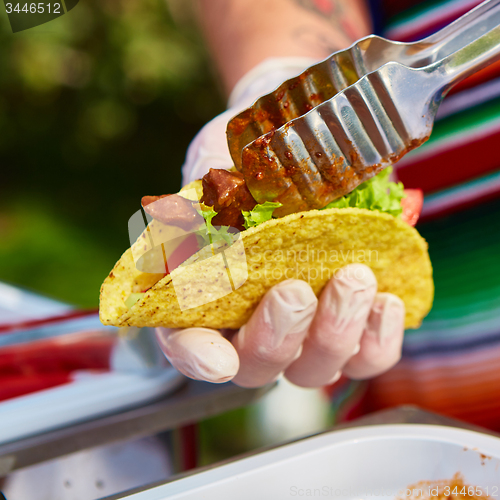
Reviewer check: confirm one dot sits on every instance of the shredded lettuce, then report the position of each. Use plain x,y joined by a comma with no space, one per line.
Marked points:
212,234
377,193
259,214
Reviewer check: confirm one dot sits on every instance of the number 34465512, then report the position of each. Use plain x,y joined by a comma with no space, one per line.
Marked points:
33,8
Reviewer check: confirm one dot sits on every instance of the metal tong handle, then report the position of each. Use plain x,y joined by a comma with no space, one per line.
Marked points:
462,63
322,81
470,22
452,37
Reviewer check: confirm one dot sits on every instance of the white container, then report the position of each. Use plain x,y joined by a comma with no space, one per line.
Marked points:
364,463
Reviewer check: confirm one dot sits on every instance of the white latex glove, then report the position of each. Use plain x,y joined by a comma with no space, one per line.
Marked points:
350,329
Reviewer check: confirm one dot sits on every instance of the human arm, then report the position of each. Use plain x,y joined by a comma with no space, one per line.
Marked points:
351,328
243,33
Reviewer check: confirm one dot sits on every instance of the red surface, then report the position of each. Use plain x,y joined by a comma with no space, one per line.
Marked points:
56,355
18,385
31,367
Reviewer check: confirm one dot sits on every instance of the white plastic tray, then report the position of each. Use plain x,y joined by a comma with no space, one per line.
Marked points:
365,463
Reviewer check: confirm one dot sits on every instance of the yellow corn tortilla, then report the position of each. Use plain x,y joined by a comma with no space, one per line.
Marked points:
310,245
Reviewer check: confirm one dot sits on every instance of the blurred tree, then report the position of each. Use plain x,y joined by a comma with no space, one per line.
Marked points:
97,109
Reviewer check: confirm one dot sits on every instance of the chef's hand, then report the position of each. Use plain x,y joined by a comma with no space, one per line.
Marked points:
350,329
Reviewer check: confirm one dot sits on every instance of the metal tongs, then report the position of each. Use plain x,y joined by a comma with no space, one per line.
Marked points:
319,135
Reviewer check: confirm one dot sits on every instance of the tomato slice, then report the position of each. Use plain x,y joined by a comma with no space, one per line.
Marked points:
412,205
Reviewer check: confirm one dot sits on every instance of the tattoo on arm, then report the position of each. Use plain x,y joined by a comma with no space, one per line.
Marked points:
325,8
333,11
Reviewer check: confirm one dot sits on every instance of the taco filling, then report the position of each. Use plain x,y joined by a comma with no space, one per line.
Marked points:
227,203
209,253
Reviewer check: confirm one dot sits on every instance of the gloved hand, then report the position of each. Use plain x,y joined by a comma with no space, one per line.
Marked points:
350,329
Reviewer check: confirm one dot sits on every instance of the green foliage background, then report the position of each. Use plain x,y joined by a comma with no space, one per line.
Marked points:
97,109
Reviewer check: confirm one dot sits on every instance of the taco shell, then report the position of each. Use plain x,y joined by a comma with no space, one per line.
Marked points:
311,245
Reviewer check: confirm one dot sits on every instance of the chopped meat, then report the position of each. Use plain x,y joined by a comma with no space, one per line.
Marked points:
173,210
228,194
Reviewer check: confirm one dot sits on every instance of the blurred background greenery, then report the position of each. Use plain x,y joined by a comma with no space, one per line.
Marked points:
97,109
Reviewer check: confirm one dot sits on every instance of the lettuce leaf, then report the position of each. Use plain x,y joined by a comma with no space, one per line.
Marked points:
212,234
377,193
259,214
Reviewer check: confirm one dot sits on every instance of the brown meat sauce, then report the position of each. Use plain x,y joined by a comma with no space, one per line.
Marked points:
228,194
296,187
